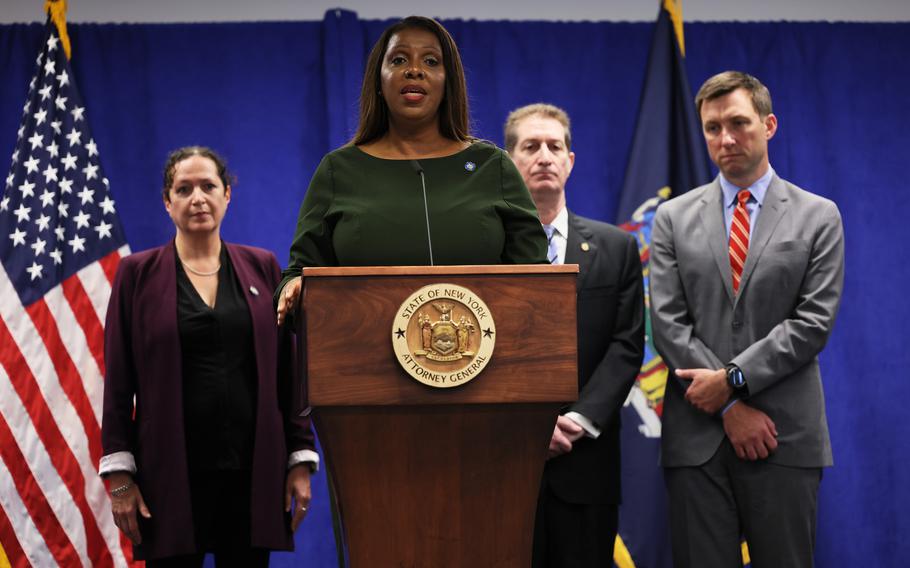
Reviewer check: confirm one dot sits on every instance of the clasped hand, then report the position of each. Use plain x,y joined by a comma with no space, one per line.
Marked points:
751,432
709,390
565,433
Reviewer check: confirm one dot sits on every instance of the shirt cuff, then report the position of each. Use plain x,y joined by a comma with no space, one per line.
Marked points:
117,461
124,461
728,406
304,456
591,429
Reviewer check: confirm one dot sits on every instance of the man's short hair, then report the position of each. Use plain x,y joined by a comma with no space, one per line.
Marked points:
727,82
541,109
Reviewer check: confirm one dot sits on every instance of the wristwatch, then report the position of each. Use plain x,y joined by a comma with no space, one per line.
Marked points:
737,380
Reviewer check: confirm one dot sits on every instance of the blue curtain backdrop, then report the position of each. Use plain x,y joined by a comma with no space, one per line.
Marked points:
274,97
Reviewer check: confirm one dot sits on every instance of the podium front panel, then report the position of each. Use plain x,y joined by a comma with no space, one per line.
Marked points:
348,316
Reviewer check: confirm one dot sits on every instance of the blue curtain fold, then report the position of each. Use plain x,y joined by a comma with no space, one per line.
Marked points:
275,97
345,52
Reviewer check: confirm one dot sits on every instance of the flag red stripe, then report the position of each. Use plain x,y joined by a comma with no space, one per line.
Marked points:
109,265
86,317
11,546
54,443
70,380
40,512
127,546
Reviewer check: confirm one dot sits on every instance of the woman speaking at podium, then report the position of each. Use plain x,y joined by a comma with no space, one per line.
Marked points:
413,187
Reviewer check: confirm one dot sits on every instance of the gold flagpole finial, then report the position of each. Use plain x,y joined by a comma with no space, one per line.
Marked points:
57,11
674,7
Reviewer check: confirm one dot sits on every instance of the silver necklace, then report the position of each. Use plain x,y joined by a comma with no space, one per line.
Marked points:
197,273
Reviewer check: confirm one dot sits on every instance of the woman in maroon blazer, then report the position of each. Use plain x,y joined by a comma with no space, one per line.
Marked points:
205,448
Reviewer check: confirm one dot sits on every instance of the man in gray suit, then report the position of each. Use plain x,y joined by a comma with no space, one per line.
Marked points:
579,495
746,279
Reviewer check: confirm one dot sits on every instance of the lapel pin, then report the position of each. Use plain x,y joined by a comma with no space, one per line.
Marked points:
254,291
585,247
470,166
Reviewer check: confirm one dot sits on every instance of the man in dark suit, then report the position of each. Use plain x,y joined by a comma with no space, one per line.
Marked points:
577,510
746,279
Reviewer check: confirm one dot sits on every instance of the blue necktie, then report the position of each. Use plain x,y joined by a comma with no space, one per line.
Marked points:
552,250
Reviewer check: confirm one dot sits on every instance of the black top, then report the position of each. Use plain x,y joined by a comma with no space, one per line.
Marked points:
219,373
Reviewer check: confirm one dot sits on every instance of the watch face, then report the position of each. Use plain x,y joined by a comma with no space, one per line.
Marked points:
736,378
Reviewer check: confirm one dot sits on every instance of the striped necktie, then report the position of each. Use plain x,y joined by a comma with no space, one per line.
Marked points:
552,251
739,237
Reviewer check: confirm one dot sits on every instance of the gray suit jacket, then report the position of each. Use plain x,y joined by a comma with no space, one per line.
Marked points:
773,329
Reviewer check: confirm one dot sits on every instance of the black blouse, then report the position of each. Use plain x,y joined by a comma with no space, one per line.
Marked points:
219,373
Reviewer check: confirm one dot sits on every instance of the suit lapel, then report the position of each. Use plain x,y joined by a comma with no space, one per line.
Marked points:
580,248
247,284
712,218
162,310
772,210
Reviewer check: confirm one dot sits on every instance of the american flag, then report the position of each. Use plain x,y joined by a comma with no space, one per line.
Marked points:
60,243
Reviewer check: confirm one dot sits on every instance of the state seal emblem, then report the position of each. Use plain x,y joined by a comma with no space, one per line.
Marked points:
443,335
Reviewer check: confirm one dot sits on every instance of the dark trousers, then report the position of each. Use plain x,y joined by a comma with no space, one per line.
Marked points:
251,557
573,535
221,520
712,506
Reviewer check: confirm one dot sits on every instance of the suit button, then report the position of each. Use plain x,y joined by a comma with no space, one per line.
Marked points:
737,324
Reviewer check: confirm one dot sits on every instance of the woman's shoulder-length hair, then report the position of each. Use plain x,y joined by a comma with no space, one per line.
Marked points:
453,109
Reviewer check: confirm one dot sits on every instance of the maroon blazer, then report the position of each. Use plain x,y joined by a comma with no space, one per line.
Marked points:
143,359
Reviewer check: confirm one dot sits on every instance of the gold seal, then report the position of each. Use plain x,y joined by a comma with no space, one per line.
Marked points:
443,335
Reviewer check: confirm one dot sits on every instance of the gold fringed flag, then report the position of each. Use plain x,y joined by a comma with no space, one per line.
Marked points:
60,243
667,158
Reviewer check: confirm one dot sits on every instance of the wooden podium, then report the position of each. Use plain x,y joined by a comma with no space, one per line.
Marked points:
437,477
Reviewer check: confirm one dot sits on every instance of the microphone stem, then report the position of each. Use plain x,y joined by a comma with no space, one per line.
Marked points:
426,212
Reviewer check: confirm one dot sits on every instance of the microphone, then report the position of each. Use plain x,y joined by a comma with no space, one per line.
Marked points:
426,212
